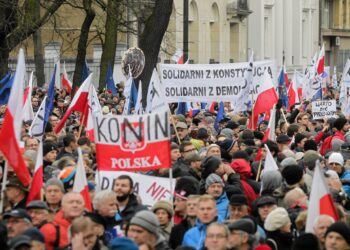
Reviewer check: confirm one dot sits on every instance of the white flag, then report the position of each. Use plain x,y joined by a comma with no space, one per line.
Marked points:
28,113
138,106
37,128
155,95
345,89
270,164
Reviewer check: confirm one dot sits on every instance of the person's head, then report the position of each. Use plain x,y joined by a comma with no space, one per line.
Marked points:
282,142
212,164
341,124
299,140
187,148
310,158
293,175
207,211
72,205
214,150
123,187
70,141
238,206
17,221
182,129
336,162
84,226
15,191
216,237
175,152
105,203
337,236
49,151
214,185
321,224
296,198
54,191
38,211
192,206
303,119
265,205
241,233
278,219
164,212
144,228
31,143
53,120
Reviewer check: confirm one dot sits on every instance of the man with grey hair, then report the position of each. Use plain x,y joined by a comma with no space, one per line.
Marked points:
105,204
321,225
54,192
216,237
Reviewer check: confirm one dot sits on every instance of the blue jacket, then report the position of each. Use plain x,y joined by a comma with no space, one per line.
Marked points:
195,237
346,176
222,205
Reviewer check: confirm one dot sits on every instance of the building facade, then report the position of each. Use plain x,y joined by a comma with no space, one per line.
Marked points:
285,30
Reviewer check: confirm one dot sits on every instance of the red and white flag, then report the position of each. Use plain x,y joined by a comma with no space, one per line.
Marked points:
264,100
66,83
320,202
270,163
293,93
58,83
37,182
270,132
94,108
80,182
28,113
320,61
79,103
11,128
178,57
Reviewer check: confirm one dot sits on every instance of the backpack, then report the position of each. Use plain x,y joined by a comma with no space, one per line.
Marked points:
56,244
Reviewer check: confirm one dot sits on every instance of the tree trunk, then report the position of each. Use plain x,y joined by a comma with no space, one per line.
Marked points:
38,50
151,39
110,43
4,60
82,45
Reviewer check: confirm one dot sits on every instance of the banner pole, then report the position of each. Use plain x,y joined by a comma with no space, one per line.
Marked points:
259,171
171,189
177,135
3,187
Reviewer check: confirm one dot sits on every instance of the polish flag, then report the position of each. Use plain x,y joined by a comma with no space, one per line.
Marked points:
37,182
66,84
94,108
320,61
11,128
293,93
27,112
270,163
270,132
80,182
320,202
264,100
178,57
79,103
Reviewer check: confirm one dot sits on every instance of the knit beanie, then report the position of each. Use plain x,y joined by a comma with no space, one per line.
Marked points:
292,174
339,123
166,205
186,186
340,228
226,145
310,158
228,133
122,243
336,157
209,165
147,220
48,146
305,242
211,179
276,219
54,182
288,162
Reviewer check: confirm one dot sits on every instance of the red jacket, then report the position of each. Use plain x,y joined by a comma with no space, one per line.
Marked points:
49,231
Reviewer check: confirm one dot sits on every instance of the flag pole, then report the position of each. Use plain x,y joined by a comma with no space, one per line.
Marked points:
176,133
259,171
4,180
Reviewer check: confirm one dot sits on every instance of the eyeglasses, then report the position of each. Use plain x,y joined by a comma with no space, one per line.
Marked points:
190,150
216,236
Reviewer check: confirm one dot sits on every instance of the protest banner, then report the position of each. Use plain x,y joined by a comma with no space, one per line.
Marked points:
210,82
323,109
150,188
132,143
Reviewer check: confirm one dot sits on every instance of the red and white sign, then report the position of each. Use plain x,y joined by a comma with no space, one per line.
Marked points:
132,143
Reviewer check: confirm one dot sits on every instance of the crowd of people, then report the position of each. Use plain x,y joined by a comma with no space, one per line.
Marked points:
222,200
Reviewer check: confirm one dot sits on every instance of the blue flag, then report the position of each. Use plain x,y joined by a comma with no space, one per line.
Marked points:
317,95
219,116
110,82
133,96
282,89
181,108
5,88
50,97
86,72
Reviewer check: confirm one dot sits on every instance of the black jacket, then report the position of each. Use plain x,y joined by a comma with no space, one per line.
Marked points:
130,210
178,232
283,241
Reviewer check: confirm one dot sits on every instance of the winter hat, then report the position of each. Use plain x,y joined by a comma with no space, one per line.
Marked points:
210,165
213,146
288,161
339,123
232,125
292,174
202,134
305,242
54,182
186,186
242,167
34,234
340,228
211,179
228,133
122,243
283,139
276,219
163,205
310,158
245,225
67,177
48,146
226,145
336,157
147,220
238,200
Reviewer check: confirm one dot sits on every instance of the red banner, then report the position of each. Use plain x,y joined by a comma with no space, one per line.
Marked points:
132,143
